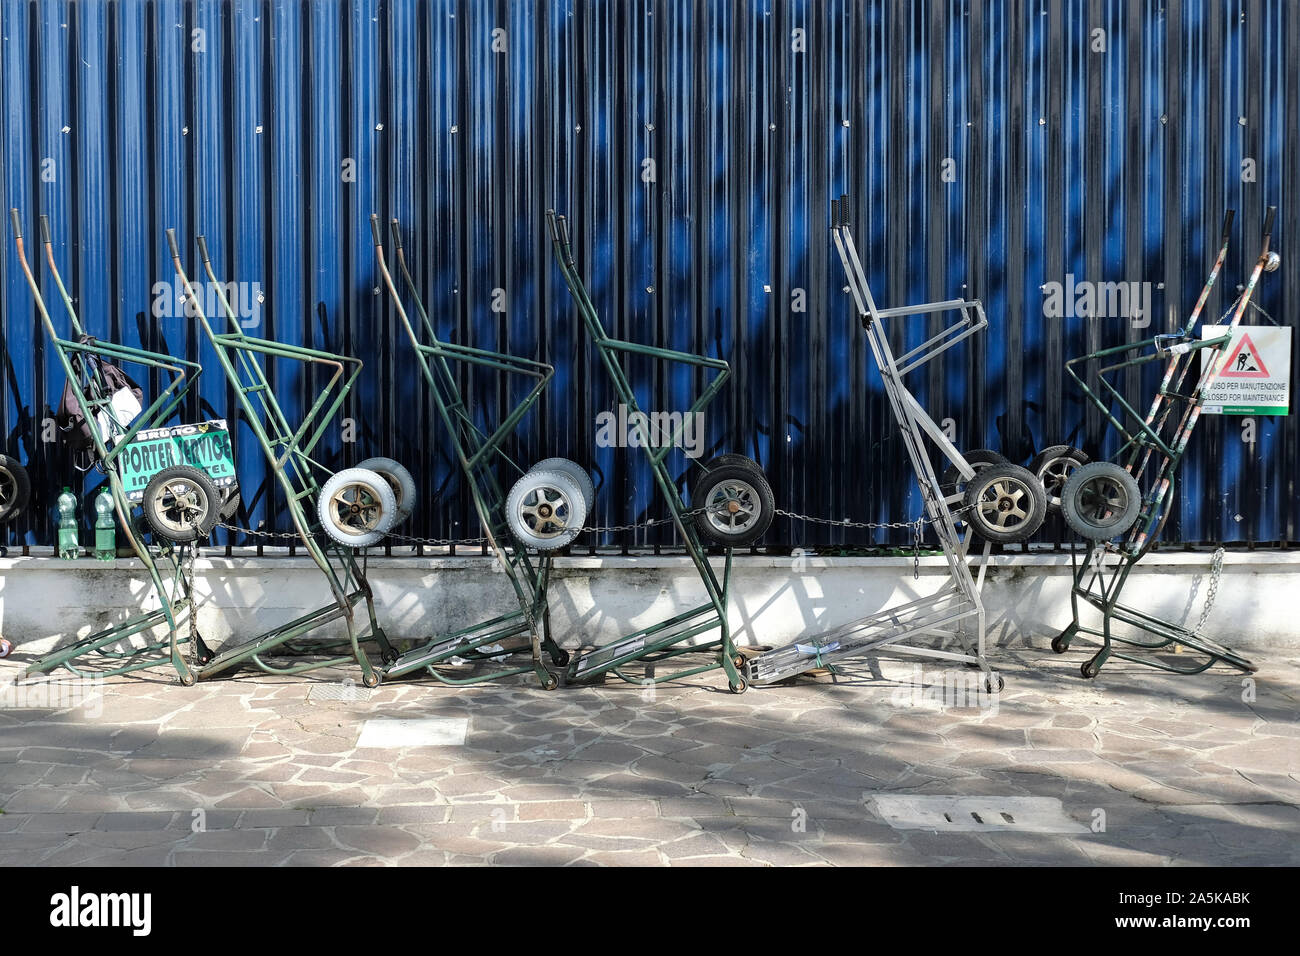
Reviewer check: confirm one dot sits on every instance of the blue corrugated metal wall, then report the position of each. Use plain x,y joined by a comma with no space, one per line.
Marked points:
469,119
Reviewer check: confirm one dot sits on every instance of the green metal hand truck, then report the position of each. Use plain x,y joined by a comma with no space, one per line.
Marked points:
1000,502
479,454
732,505
355,507
1103,501
113,441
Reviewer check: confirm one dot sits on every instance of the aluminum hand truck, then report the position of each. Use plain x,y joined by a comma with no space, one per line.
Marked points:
354,508
999,501
113,442
731,505
1103,501
557,502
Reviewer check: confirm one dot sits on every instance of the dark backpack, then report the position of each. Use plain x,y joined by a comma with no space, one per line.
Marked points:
106,380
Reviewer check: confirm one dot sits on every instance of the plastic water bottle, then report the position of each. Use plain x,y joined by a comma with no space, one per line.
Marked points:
105,530
69,547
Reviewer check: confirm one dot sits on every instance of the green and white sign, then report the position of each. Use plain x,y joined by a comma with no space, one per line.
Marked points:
205,446
1254,371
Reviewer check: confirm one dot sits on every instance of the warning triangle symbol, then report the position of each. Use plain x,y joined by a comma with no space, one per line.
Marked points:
1244,362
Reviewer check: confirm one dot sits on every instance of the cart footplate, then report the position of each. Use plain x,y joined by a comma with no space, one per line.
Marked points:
589,666
936,615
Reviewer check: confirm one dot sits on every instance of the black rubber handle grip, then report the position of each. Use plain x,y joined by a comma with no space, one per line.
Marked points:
45,229
1268,221
1227,223
171,243
374,229
550,222
202,242
395,228
18,223
563,225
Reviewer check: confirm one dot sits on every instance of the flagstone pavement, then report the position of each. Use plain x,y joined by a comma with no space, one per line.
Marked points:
266,770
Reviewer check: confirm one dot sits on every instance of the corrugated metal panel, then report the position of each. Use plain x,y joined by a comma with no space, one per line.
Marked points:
469,119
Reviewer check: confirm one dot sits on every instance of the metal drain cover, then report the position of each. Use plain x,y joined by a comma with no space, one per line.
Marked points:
974,814
417,732
346,691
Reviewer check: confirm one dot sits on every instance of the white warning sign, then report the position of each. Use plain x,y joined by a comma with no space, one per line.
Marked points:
1254,371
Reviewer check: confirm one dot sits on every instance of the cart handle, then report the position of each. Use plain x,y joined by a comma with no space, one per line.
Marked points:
1227,224
374,230
840,211
396,231
18,223
1268,222
171,242
202,243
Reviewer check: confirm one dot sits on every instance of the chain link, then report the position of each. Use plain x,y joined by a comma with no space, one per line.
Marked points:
1216,572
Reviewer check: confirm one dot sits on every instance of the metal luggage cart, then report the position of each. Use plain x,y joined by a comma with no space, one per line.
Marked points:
1000,502
731,506
109,652
354,508
557,491
1103,501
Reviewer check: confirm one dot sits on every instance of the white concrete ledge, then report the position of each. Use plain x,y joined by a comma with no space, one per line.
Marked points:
45,601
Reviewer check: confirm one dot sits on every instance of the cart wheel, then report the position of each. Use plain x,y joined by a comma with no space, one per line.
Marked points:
371,679
734,504
1059,644
560,658
399,479
15,488
181,504
545,510
6,647
994,684
188,679
730,458
357,507
951,481
1053,466
1005,503
574,471
1090,669
229,503
552,682
1100,500
739,687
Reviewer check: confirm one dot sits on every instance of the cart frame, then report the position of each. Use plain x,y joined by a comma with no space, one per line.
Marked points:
288,452
174,590
951,610
1146,444
662,641
478,453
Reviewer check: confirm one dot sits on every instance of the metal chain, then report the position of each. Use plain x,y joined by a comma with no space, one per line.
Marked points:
1216,572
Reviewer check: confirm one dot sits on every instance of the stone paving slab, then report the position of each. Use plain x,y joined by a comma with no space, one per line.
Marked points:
259,770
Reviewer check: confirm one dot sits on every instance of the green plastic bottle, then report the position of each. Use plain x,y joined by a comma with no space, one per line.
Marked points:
105,530
69,546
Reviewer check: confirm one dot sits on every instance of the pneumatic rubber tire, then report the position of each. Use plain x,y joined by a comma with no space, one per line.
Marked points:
735,504
1101,501
399,479
15,488
357,507
951,481
181,504
574,471
545,510
1005,504
1054,465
